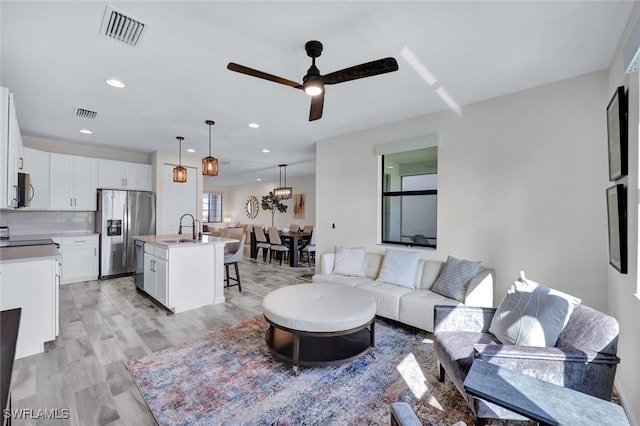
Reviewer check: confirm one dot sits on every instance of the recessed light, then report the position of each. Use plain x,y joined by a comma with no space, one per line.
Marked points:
254,125
115,83
258,179
191,150
389,167
265,150
86,131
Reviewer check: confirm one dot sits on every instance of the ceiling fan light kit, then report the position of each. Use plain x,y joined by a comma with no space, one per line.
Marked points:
283,192
313,82
179,172
210,164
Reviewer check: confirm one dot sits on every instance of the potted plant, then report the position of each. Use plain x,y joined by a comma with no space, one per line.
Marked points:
270,202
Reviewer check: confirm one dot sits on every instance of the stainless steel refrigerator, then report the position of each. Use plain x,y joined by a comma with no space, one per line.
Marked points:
122,215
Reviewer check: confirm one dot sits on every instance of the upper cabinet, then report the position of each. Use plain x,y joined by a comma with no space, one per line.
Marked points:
10,150
73,182
124,175
36,163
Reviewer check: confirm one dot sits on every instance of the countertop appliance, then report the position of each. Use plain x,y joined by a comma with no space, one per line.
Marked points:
122,215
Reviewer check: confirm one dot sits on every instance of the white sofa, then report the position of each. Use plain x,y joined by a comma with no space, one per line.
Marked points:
410,306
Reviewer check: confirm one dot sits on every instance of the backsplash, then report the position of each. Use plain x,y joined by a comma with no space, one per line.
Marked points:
24,222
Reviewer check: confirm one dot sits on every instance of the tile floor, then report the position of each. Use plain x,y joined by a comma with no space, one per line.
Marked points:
103,323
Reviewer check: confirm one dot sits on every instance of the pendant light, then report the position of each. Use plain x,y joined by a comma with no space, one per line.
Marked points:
283,192
210,164
179,172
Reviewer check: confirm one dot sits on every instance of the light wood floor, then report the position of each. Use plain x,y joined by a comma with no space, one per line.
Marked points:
103,323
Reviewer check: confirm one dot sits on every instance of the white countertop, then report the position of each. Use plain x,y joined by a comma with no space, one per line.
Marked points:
184,240
28,253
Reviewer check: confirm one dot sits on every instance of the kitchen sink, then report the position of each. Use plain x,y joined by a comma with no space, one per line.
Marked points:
178,240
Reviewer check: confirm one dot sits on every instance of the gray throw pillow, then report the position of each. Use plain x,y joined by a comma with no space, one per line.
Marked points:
399,267
532,314
350,261
455,277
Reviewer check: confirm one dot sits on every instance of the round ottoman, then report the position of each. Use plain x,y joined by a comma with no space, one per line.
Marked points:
319,324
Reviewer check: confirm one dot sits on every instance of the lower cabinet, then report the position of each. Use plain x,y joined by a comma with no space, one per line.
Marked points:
79,258
37,296
156,272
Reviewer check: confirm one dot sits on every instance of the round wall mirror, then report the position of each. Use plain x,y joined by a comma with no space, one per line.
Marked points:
251,207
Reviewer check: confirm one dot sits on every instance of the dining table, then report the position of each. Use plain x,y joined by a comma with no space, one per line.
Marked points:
294,239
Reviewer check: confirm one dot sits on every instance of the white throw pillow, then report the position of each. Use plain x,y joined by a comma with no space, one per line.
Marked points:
350,261
532,314
399,267
455,277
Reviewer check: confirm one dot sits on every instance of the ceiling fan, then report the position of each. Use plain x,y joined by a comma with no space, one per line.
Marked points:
313,82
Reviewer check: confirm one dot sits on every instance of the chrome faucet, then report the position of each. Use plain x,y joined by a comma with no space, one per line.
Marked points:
193,225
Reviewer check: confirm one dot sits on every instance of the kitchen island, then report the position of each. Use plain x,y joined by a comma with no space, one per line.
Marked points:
183,273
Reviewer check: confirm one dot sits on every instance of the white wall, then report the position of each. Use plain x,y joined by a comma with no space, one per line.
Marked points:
521,184
623,304
234,197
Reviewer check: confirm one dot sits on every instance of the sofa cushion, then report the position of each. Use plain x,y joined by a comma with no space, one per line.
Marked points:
532,314
340,279
416,308
430,272
350,261
455,277
387,297
399,267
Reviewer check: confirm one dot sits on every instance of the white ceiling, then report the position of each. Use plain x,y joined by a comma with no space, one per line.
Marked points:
54,59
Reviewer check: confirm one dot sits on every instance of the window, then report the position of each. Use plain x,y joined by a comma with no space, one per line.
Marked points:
211,207
410,197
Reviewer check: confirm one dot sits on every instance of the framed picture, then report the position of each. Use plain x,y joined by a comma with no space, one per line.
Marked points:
617,220
617,134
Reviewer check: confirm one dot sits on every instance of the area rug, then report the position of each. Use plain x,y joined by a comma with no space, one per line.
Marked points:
230,374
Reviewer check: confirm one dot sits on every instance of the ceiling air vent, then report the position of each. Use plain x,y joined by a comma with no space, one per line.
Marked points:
85,113
122,27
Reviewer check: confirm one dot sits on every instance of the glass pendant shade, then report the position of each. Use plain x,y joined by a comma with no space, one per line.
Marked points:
210,164
283,192
179,172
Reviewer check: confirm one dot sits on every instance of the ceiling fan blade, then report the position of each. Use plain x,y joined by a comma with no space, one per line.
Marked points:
255,73
381,66
317,103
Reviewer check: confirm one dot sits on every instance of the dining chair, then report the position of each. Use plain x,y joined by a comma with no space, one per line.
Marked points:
232,259
310,249
294,227
261,242
307,229
276,244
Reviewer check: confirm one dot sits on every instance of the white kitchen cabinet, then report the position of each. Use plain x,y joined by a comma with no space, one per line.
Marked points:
10,150
79,258
156,272
73,182
36,163
124,175
38,298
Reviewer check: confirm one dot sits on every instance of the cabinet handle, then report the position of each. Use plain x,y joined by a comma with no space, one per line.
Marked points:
16,197
80,241
71,202
21,163
124,182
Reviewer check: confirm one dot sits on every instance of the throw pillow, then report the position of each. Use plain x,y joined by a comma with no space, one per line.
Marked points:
349,261
399,267
455,277
532,314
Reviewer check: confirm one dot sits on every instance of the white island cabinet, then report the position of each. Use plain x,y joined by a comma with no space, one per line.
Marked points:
184,274
29,279
79,257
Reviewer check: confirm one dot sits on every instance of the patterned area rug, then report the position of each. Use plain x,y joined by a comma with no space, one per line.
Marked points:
230,374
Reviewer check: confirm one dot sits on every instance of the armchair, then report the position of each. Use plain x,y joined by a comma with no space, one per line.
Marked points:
584,357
